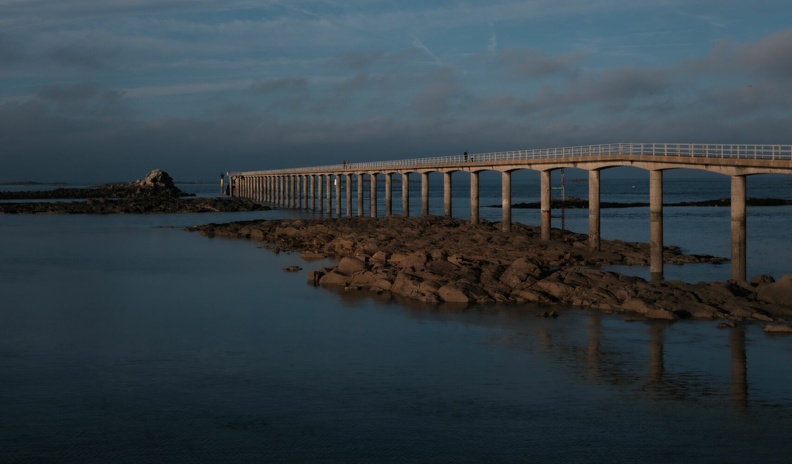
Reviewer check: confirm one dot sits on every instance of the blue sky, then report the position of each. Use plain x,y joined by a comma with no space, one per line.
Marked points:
106,91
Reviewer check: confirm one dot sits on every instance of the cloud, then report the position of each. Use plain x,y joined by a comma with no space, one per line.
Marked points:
770,57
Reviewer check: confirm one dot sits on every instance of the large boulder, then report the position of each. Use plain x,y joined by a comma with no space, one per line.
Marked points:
779,292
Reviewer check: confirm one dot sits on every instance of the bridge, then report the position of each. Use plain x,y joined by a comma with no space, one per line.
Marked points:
319,188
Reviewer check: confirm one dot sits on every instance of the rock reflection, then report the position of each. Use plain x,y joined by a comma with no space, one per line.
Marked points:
598,354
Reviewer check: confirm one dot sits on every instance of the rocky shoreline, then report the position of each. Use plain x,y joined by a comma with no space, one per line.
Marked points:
156,193
443,260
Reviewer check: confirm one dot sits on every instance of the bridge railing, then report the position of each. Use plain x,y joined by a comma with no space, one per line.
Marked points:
693,150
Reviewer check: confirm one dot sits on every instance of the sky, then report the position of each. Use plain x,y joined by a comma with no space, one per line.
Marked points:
107,90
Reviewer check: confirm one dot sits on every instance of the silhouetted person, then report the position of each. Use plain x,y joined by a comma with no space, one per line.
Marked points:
466,157
222,181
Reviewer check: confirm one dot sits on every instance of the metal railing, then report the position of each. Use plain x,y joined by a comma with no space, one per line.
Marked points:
691,150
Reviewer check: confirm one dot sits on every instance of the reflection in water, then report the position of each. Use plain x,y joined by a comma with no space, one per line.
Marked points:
739,370
593,352
656,367
604,359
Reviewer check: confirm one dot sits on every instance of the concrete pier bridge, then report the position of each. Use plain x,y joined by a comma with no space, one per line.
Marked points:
319,188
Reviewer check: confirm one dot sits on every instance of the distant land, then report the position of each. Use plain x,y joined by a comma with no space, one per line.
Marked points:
582,203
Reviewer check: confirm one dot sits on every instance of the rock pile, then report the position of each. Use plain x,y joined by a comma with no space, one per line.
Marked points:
445,260
155,193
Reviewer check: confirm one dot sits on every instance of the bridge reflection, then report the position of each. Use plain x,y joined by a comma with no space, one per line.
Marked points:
603,349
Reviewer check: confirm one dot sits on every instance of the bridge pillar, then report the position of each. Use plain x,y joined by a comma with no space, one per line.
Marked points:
388,194
300,191
320,192
349,195
329,194
506,200
738,229
337,183
424,194
311,192
405,180
290,192
295,191
656,225
286,193
594,209
447,194
360,195
304,191
545,185
474,197
299,187
373,194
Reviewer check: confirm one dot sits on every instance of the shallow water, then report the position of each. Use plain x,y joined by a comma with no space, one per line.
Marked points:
127,339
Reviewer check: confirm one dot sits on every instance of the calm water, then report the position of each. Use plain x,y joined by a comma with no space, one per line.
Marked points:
126,339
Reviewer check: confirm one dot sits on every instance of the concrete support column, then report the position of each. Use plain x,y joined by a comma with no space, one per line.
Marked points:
329,194
337,182
405,179
283,188
312,191
320,192
304,192
546,208
594,209
298,194
738,229
474,197
506,201
373,194
360,195
388,194
656,225
349,195
447,194
288,190
424,194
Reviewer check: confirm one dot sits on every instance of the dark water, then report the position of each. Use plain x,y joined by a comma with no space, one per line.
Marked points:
125,341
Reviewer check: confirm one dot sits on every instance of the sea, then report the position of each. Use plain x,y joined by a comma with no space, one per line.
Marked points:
126,339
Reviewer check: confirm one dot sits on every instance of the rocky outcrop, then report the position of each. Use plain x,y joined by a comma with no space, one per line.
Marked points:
445,260
155,193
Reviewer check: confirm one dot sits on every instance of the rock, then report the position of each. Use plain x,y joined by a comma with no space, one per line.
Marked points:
292,268
350,266
521,273
762,279
311,256
432,259
779,292
157,178
415,287
777,328
335,278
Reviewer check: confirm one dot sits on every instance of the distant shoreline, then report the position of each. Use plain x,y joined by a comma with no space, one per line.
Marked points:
582,203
